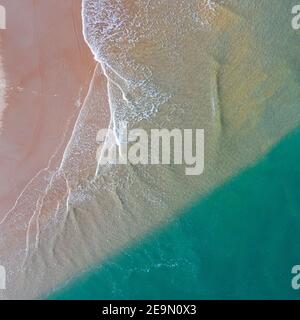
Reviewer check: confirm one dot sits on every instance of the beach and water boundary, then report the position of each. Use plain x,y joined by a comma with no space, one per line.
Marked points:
240,242
250,102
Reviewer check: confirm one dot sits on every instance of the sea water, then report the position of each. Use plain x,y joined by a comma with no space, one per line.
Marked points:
241,240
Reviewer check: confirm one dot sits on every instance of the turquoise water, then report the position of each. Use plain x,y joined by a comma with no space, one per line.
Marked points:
240,242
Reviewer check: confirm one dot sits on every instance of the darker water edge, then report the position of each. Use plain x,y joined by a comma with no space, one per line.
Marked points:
240,242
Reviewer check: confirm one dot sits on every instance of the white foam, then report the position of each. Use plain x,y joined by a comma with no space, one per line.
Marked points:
116,32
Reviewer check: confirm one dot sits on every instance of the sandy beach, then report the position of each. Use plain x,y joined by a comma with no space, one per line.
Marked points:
47,70
45,78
